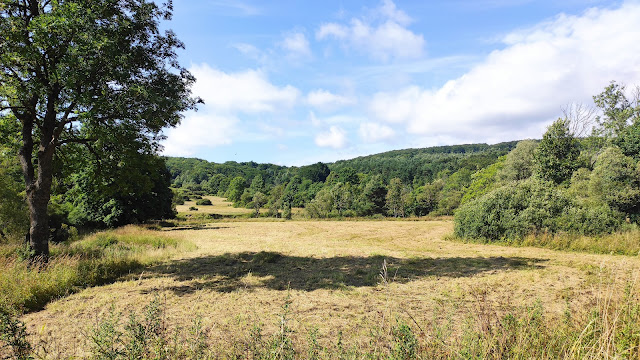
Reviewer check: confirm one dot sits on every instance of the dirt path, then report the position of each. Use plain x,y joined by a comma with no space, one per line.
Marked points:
243,273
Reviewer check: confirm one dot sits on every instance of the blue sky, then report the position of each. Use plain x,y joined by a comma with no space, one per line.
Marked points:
296,82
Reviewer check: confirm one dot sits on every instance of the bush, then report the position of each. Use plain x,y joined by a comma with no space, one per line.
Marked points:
529,207
204,202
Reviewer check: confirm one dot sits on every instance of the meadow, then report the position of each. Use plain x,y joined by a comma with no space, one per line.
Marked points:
356,289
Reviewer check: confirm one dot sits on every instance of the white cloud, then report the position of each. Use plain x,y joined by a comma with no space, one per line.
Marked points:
199,130
249,91
227,97
395,107
384,38
389,10
296,44
335,138
516,91
372,132
240,7
326,100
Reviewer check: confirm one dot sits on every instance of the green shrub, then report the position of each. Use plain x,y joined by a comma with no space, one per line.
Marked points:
531,207
204,202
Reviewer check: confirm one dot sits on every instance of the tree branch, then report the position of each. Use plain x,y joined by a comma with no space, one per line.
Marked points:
76,141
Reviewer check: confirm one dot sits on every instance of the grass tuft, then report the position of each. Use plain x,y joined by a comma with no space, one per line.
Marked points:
96,260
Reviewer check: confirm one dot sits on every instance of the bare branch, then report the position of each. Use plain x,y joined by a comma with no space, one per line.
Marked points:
580,119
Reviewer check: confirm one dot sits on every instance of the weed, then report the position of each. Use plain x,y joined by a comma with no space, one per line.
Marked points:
405,343
13,336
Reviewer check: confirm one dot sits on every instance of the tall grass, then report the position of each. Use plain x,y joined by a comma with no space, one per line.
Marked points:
625,242
97,259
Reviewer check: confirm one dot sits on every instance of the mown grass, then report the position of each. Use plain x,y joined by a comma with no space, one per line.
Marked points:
350,290
606,327
625,242
95,260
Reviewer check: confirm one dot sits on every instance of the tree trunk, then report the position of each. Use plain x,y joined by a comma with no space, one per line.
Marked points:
38,186
39,230
38,197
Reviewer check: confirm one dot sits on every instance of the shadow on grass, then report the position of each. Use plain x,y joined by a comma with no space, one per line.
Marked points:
276,271
194,227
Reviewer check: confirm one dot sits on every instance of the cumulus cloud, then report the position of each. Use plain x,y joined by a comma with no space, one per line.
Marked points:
384,36
372,132
227,97
199,130
248,91
296,44
516,91
326,100
335,138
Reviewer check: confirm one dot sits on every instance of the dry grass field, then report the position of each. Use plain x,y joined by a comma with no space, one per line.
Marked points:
220,206
328,278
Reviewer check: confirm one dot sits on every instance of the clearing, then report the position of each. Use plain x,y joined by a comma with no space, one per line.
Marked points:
330,273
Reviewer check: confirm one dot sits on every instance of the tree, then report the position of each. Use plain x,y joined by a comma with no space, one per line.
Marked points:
396,198
236,189
373,197
93,72
317,172
136,191
618,111
519,163
259,199
557,154
616,180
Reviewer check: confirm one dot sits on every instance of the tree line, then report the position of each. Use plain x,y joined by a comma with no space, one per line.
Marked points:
412,182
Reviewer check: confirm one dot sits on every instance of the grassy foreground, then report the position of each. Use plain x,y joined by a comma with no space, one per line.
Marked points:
353,290
96,260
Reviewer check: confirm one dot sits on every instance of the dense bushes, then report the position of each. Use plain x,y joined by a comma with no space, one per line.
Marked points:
531,206
204,202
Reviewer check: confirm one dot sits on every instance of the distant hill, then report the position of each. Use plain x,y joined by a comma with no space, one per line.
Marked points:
411,165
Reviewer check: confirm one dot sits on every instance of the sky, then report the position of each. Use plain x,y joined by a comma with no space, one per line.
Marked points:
296,82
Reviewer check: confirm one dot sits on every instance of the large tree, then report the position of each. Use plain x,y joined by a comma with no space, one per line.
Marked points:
94,72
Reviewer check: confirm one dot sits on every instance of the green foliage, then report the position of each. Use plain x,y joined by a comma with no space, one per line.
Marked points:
428,197
134,191
317,172
259,200
512,211
617,110
484,180
616,181
395,198
204,202
14,218
101,74
236,189
13,336
557,154
405,343
373,197
520,162
146,336
629,140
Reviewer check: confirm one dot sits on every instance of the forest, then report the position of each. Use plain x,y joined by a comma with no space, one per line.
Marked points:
582,182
